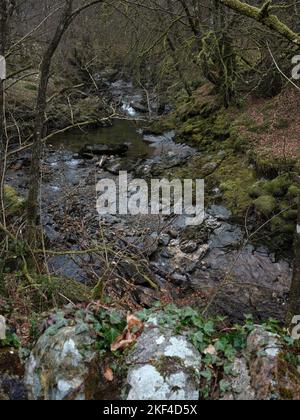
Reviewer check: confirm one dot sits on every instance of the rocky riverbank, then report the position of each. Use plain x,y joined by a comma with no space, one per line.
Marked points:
138,262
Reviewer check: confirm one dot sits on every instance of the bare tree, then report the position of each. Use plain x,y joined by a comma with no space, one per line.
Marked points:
7,8
67,17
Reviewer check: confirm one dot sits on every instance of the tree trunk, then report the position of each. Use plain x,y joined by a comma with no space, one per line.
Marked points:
3,38
294,299
41,104
67,17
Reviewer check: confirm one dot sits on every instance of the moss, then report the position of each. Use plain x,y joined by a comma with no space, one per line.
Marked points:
269,167
279,186
162,125
203,103
280,226
288,379
265,204
290,215
62,290
167,366
293,191
257,189
12,202
259,128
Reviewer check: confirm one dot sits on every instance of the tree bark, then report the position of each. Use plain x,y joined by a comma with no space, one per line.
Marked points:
3,41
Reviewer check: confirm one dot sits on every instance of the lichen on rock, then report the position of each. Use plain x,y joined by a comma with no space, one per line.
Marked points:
61,366
163,366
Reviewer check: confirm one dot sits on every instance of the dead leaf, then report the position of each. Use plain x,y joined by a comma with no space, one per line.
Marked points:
210,350
108,374
133,321
130,334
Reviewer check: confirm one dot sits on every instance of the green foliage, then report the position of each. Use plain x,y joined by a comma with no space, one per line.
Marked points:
12,340
108,326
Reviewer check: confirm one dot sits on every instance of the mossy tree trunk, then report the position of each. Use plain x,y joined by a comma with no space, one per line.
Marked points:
264,16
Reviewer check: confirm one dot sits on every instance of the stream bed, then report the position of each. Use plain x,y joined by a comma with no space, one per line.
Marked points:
187,265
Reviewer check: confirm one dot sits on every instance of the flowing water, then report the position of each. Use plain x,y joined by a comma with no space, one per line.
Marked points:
257,282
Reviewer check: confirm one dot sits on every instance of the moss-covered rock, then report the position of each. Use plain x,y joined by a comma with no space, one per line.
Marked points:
279,186
13,203
61,290
204,102
265,204
257,189
293,191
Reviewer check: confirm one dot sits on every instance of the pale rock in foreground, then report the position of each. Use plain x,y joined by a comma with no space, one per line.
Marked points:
163,366
255,377
59,366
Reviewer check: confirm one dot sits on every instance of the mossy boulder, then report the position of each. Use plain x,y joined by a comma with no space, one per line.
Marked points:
13,203
279,186
265,204
61,290
204,102
257,189
293,191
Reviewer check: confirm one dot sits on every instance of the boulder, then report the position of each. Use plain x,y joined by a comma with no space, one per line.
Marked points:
264,349
62,366
163,366
240,388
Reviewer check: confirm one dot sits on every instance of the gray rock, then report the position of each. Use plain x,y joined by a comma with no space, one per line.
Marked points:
163,367
59,365
179,279
264,350
164,239
189,247
173,233
226,235
219,212
240,383
210,167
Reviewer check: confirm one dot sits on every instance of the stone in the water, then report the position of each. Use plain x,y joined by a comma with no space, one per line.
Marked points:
163,366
